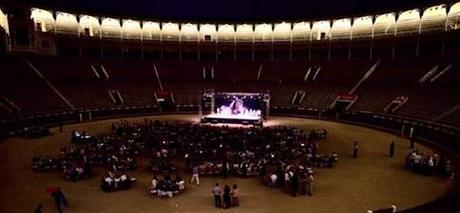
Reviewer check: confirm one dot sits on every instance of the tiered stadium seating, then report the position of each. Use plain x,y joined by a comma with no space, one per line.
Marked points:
75,80
137,82
24,88
336,77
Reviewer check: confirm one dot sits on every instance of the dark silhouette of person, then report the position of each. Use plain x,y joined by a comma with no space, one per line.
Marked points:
59,199
355,149
392,149
227,197
294,184
225,169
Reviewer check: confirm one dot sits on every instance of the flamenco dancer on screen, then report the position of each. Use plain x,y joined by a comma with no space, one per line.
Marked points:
236,107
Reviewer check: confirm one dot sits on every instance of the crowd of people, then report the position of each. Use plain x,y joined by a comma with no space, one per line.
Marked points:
283,157
72,163
114,152
292,179
224,151
166,186
430,165
114,181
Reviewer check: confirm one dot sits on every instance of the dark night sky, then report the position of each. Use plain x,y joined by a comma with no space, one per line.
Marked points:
234,10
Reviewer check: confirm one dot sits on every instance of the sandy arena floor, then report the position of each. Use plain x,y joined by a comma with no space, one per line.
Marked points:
355,185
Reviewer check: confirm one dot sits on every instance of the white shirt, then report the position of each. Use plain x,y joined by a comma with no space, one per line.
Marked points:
108,180
154,183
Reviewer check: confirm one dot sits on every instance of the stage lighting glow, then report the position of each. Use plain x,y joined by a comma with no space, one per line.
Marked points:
409,15
208,29
189,32
282,31
4,21
454,9
91,23
170,31
226,32
241,108
244,32
263,32
435,11
66,22
44,17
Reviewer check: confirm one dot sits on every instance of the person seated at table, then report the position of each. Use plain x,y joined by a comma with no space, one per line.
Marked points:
180,182
153,188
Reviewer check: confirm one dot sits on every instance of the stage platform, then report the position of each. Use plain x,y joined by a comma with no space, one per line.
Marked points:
232,119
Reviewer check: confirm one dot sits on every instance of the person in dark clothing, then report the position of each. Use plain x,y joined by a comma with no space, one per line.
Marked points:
355,149
227,197
392,149
303,182
59,199
294,184
225,168
38,209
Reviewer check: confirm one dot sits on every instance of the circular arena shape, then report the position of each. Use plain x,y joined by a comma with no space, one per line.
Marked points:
372,181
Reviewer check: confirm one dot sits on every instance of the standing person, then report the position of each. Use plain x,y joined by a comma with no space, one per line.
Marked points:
294,184
227,197
153,189
310,181
225,168
59,199
195,175
63,198
287,181
355,149
392,149
235,195
303,176
217,192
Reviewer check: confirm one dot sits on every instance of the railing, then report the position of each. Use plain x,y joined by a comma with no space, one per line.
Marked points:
441,135
385,121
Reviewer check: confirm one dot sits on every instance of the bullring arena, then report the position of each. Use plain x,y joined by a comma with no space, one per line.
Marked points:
248,106
372,181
